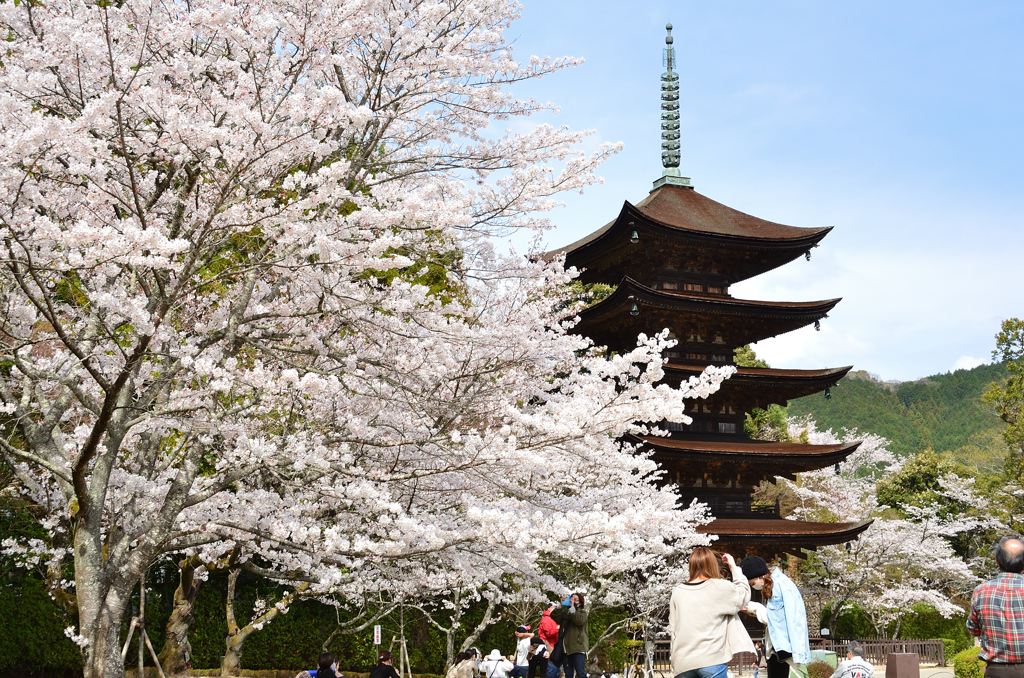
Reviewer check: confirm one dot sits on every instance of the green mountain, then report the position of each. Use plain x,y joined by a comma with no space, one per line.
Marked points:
943,412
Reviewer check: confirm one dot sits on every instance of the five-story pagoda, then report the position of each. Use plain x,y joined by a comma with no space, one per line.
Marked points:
673,257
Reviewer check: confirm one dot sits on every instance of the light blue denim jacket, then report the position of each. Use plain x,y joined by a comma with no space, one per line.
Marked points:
787,618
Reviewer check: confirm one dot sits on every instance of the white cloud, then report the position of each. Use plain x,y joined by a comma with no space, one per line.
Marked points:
967,362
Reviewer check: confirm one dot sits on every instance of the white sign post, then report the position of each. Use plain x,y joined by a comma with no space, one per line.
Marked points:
376,635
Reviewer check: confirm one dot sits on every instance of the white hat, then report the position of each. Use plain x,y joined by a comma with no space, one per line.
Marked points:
495,655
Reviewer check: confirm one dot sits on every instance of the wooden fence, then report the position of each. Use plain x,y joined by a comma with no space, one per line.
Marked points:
875,651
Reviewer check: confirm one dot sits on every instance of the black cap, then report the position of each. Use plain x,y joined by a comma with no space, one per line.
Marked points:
522,629
754,567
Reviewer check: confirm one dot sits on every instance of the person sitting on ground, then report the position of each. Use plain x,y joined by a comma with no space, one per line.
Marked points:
326,668
495,665
453,672
538,658
469,667
854,666
593,669
385,666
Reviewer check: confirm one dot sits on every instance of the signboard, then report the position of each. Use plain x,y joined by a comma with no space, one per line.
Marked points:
376,635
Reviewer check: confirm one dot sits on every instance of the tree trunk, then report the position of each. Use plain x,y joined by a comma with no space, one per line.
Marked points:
100,611
233,652
173,656
237,635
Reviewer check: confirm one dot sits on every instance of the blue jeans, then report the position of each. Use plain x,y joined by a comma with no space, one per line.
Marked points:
716,671
577,662
553,671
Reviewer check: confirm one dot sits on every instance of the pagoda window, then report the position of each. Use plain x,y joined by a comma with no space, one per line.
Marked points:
717,289
669,285
718,358
701,427
673,426
672,354
727,427
735,507
696,356
693,287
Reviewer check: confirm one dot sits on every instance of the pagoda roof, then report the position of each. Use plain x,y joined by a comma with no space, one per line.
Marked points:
740,321
779,534
764,383
685,209
681,229
745,456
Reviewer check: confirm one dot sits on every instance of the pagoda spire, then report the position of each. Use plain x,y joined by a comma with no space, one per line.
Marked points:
670,118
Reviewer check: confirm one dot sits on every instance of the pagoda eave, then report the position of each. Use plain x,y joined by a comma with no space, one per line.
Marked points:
747,450
634,241
614,322
763,385
780,535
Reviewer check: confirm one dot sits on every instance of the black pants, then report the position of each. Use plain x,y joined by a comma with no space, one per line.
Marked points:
538,668
777,666
997,670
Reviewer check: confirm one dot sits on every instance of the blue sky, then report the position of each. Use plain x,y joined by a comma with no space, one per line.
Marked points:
901,124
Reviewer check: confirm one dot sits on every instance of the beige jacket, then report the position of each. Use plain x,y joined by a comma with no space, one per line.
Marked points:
704,624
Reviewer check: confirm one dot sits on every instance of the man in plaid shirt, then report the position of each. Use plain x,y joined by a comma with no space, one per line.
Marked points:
997,613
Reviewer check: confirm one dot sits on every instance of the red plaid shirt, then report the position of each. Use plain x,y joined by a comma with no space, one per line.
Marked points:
997,616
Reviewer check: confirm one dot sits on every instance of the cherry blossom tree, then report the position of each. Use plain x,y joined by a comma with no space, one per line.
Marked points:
899,560
250,301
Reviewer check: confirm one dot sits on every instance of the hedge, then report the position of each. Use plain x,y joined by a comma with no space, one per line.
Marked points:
967,665
32,639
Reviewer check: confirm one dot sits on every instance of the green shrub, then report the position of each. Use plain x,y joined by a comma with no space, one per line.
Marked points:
851,622
967,665
925,622
819,669
32,627
949,648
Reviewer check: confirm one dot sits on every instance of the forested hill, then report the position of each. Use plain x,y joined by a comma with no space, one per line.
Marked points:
943,412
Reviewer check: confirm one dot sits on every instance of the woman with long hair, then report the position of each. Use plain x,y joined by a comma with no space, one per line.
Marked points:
325,666
786,643
703,617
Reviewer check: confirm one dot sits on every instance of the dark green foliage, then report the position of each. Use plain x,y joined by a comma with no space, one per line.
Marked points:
761,424
1008,398
745,356
851,623
32,627
591,293
967,665
770,424
944,412
917,483
925,622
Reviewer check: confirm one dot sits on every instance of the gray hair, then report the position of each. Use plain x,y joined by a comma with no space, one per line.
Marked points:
856,649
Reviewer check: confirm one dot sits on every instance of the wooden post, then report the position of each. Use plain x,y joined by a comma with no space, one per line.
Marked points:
903,665
128,640
142,625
